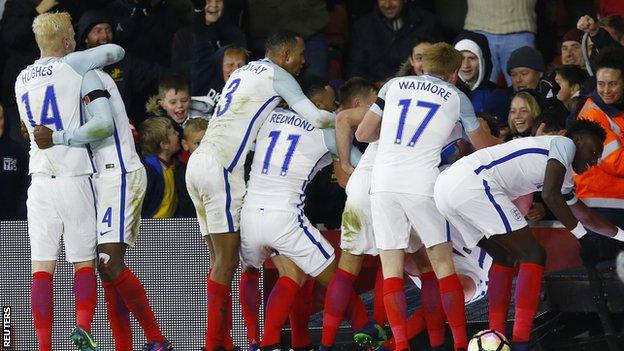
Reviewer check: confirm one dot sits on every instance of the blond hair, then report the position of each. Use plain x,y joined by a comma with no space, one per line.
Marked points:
152,132
50,28
237,51
532,106
195,125
441,59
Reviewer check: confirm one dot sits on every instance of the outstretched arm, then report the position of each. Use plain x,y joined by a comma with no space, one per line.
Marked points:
94,58
288,88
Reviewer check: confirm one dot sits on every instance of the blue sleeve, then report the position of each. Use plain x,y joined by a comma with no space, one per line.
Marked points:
97,57
100,122
466,113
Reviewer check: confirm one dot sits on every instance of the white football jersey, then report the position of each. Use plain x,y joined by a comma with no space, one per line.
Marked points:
289,152
117,153
518,166
418,114
48,93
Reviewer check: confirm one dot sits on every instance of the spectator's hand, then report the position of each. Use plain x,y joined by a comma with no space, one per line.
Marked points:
45,6
347,167
537,212
588,25
24,131
43,137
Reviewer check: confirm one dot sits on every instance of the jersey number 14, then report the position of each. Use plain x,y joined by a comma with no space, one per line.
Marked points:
49,111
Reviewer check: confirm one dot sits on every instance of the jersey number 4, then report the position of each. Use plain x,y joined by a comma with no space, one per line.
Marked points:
49,111
274,135
405,104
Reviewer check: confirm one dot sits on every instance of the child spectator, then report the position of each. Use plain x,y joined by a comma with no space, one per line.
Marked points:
570,79
159,143
193,133
174,102
413,65
522,114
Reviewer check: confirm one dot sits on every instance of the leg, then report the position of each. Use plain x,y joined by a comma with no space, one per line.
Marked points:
219,286
42,302
392,263
85,293
338,295
499,284
280,301
300,317
532,257
122,282
451,291
430,299
249,296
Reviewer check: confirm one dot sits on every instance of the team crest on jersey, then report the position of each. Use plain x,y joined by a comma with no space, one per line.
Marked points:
9,164
516,214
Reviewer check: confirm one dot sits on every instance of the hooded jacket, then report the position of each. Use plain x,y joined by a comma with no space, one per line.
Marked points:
136,79
486,97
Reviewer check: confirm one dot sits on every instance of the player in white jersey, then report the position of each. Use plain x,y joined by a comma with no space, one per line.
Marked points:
120,184
61,200
357,239
214,174
475,195
419,113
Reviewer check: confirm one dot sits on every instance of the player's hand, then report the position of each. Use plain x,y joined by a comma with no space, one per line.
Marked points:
43,137
24,131
588,25
347,167
537,212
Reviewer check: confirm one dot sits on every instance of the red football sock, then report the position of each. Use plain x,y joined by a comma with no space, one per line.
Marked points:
300,316
216,300
499,295
42,305
118,318
227,341
416,324
337,298
356,312
279,304
85,297
133,295
249,295
452,294
396,308
528,288
379,310
433,312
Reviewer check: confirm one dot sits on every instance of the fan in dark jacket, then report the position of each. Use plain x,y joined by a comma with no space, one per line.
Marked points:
382,39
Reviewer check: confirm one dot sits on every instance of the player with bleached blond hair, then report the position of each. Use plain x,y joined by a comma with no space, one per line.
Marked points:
61,199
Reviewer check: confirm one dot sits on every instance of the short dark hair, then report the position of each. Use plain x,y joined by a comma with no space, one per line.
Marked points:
586,127
492,123
554,122
280,39
353,87
175,81
573,74
610,57
312,85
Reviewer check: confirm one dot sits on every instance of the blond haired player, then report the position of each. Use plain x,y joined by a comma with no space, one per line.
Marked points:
61,199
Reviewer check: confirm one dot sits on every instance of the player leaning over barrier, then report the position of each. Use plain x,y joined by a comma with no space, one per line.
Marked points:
214,174
475,195
61,199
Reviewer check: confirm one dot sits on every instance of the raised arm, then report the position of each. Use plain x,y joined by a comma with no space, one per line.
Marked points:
347,122
368,129
288,88
94,58
100,125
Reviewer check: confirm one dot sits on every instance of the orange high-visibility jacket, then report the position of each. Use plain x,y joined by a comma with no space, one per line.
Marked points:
603,184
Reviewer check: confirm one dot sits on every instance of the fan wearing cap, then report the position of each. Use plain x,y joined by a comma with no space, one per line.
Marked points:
571,49
526,68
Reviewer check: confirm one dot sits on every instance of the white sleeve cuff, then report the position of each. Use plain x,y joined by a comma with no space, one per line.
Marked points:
619,236
579,231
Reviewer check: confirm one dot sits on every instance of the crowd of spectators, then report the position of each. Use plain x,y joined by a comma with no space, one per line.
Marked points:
528,67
